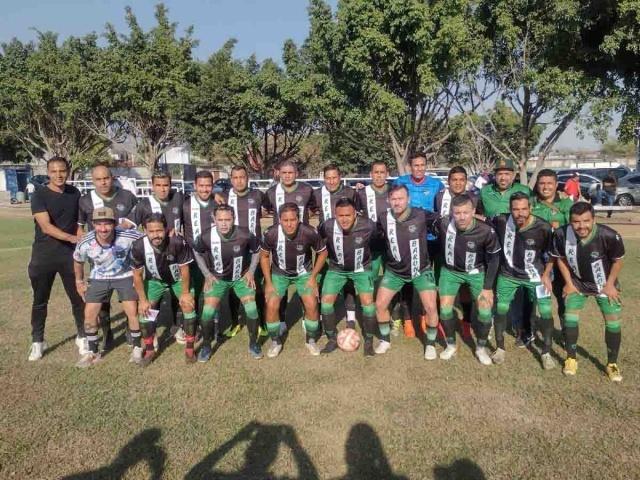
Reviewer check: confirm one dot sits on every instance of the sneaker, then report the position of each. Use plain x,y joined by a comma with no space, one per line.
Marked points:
548,363
148,357
232,331
383,347
448,352
255,351
396,325
136,355
204,354
570,366
409,331
430,353
313,347
88,360
83,345
190,356
331,346
524,341
180,336
613,372
483,356
498,356
274,349
37,350
368,348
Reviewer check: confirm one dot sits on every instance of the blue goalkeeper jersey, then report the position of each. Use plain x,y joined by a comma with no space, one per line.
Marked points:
423,194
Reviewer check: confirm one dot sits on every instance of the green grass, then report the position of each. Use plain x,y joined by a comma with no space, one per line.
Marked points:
343,416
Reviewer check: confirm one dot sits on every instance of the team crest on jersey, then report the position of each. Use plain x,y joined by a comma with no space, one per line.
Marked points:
595,254
174,210
299,248
471,245
251,201
298,198
412,228
359,240
530,241
236,248
120,207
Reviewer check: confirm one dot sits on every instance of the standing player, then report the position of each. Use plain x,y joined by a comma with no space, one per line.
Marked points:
108,249
228,257
347,238
526,242
590,259
289,190
162,200
286,255
161,264
405,229
472,258
121,202
55,213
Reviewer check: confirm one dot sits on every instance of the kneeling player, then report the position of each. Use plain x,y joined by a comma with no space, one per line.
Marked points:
347,238
164,260
232,251
287,249
590,259
471,257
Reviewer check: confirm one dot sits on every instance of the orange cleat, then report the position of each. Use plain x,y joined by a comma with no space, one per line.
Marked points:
409,331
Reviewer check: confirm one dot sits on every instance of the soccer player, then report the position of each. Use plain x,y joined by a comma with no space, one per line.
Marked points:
471,257
228,257
161,264
286,253
347,238
526,242
121,202
590,259
162,200
55,213
289,190
108,249
408,263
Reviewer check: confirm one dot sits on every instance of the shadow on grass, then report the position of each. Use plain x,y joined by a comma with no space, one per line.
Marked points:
141,448
580,351
463,469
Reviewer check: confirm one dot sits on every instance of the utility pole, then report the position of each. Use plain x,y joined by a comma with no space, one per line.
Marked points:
636,133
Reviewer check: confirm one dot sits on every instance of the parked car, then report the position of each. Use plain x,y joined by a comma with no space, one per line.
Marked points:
600,173
221,185
39,180
628,191
589,185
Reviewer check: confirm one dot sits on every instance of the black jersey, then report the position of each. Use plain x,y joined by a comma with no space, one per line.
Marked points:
443,201
406,242
230,256
467,250
292,256
122,202
301,195
62,208
589,260
170,208
348,251
373,204
247,209
523,250
161,264
198,217
325,201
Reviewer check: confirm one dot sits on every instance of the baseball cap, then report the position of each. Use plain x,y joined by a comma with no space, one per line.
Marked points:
103,213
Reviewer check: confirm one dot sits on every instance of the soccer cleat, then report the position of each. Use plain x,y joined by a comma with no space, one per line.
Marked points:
274,349
37,350
430,353
524,341
148,357
483,356
180,336
548,363
448,352
498,356
331,346
368,348
570,366
613,372
204,354
255,351
88,360
136,355
83,345
396,325
383,347
409,331
232,331
313,347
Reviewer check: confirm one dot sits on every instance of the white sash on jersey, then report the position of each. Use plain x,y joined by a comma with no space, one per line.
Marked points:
599,275
571,250
326,204
450,243
216,251
233,202
280,201
96,200
338,243
392,235
445,207
414,248
280,250
529,257
509,241
155,205
372,212
196,226
150,259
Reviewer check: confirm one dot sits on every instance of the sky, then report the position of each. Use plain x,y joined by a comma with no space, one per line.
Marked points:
260,26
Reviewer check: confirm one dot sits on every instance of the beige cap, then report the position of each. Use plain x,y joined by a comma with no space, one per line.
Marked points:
103,213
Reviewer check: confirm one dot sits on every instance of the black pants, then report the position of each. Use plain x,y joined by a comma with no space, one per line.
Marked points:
42,273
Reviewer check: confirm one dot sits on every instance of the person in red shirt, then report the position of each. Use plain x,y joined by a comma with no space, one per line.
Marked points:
572,187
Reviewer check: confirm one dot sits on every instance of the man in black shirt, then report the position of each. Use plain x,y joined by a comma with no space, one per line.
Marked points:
161,264
526,242
289,190
347,238
286,254
589,256
55,213
198,209
162,200
471,258
405,230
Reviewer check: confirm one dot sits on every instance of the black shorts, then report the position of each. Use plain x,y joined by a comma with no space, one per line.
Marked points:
100,291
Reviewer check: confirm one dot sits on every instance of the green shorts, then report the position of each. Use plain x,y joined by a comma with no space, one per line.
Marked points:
575,303
281,284
239,287
506,289
197,279
377,264
155,289
424,281
451,281
335,280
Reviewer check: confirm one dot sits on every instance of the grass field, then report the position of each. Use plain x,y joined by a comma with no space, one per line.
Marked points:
343,416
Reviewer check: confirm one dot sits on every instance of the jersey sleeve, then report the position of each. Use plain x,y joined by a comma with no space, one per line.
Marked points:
557,243
38,204
318,242
322,230
137,255
492,244
267,242
199,245
254,243
184,255
132,201
80,252
83,216
548,244
615,246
